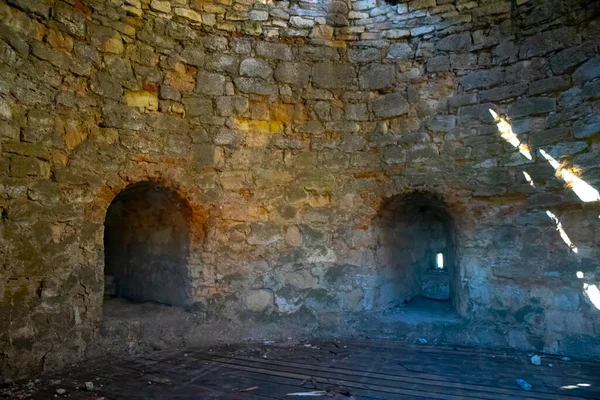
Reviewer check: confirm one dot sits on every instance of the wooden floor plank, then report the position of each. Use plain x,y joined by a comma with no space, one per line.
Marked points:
389,377
472,376
385,387
369,369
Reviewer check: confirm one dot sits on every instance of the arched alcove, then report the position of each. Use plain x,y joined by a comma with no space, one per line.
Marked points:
418,247
146,246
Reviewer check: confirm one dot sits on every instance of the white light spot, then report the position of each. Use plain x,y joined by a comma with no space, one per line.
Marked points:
580,274
562,232
439,261
593,294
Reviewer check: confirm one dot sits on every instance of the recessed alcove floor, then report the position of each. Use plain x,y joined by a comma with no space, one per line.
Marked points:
422,310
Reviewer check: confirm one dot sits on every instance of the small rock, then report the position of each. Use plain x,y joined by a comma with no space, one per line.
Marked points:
61,391
549,365
89,386
536,360
566,358
422,340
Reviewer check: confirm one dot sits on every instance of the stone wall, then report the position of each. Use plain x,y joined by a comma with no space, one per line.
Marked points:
286,126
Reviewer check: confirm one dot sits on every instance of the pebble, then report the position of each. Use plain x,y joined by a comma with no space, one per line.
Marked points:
89,386
61,391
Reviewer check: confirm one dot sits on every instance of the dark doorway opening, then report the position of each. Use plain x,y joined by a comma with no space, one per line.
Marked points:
146,246
418,246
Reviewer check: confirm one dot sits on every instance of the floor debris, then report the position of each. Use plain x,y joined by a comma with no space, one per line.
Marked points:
315,393
249,389
536,360
524,384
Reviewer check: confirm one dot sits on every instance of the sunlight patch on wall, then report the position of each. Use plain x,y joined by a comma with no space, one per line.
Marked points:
562,232
592,292
528,179
582,189
507,134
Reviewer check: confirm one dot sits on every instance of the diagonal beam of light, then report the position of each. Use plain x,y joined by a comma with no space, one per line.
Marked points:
582,189
507,134
562,232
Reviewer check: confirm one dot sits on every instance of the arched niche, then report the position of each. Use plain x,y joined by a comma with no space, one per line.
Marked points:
146,245
418,247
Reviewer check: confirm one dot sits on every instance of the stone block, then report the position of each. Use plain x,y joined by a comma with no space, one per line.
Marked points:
456,42
210,83
587,71
526,71
503,92
228,137
393,155
567,59
21,166
301,22
481,79
546,42
327,75
505,52
38,7
166,92
549,85
477,113
276,51
296,74
531,106
222,63
357,112
255,86
400,51
301,279
587,127
161,6
363,55
390,105
396,33
231,105
260,301
422,30
566,149
255,68
441,123
142,99
198,106
438,64
262,233
377,76
188,14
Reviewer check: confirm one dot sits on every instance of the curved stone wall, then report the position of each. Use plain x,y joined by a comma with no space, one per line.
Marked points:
286,126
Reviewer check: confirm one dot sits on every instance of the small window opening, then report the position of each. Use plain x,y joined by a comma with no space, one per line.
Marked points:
439,261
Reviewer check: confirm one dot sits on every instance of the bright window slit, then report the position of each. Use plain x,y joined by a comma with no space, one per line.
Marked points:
439,261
